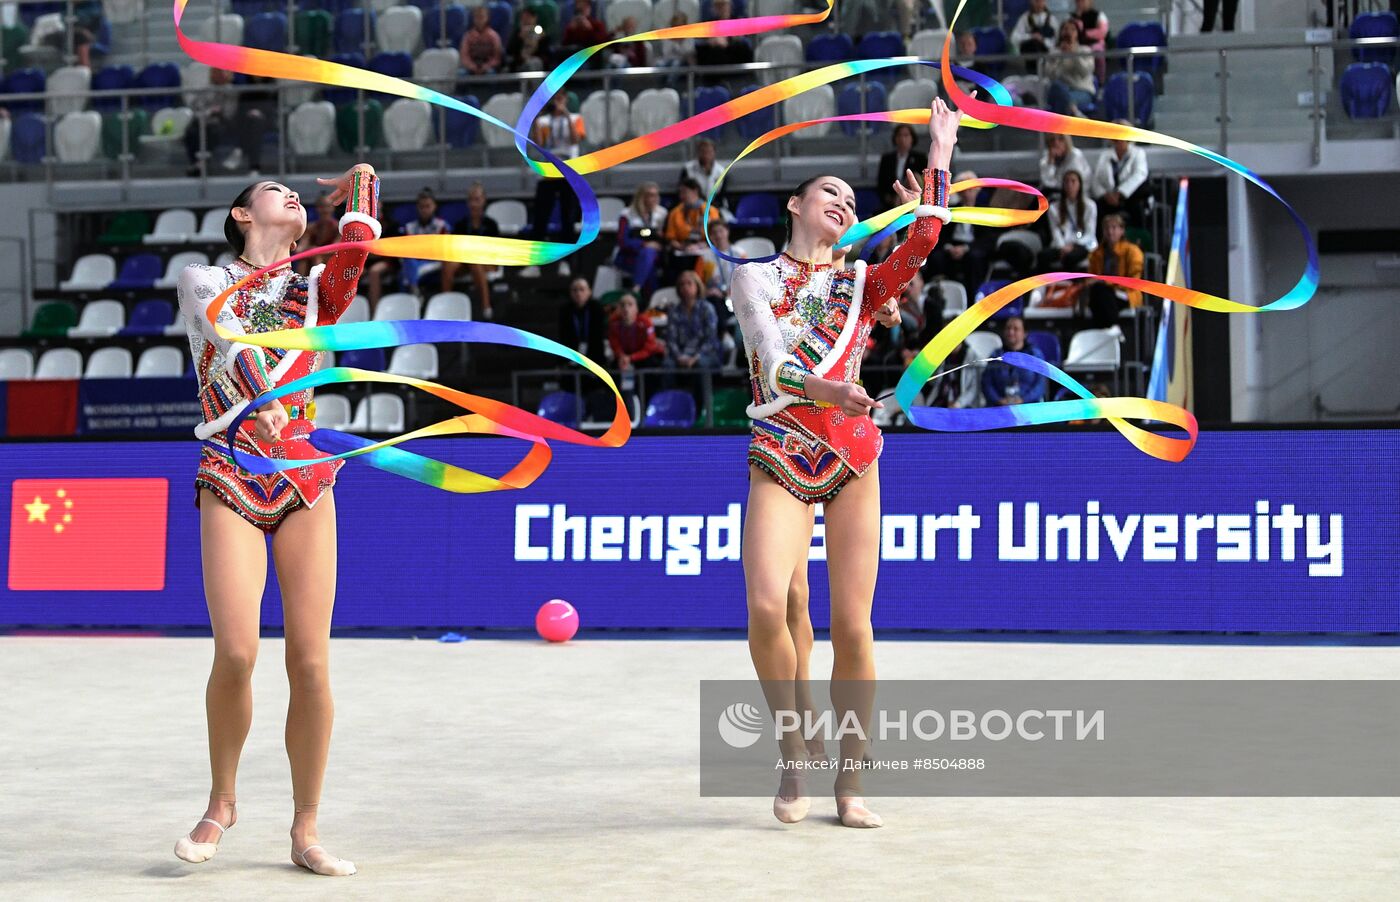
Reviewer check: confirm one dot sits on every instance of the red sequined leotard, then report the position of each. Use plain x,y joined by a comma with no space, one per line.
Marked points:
231,373
803,319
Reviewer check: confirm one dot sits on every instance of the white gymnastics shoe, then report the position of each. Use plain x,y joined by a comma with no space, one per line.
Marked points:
325,865
195,852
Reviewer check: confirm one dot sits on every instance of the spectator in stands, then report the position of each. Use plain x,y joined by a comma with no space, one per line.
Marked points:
1073,227
966,56
87,22
481,49
1116,256
629,53
705,170
584,29
692,329
583,322
1035,30
325,230
639,232
1061,156
528,50
633,338
722,50
1119,183
1228,20
904,157
476,222
560,131
961,253
384,270
1003,384
715,271
427,223
684,235
1093,32
1070,72
219,108
676,52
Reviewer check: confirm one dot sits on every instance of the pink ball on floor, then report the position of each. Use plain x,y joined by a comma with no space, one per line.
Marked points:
557,621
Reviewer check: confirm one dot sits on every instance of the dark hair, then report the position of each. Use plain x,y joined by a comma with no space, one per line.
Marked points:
796,192
1078,200
232,233
428,193
913,135
692,184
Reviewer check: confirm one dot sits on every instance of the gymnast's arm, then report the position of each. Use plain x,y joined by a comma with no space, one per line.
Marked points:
340,279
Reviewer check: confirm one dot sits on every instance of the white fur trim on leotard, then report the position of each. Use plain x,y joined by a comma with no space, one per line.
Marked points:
942,213
370,221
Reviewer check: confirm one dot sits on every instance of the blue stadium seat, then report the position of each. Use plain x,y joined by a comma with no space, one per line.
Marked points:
111,78
395,65
559,407
709,98
28,13
671,409
880,45
25,81
1011,11
848,104
1375,25
1115,97
350,30
453,212
149,317
739,9
138,272
502,16
1048,343
342,96
756,210
28,138
403,214
456,25
991,41
1143,34
159,75
462,129
102,41
249,8
830,48
758,122
266,31
1367,90
867,203
362,359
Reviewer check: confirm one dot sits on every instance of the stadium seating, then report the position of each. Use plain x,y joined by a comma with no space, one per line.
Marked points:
1094,351
1366,90
1144,34
830,48
91,272
1048,345
16,364
350,31
311,128
756,210
606,116
99,319
399,29
172,227
332,412
67,87
436,64
77,136
111,78
817,103
59,363
671,409
159,75
559,407
1375,25
416,361
853,100
396,306
149,317
177,265
267,31
450,38
163,362
408,124
109,363
138,272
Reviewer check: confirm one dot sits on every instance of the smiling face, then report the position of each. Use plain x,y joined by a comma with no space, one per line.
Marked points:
272,205
824,210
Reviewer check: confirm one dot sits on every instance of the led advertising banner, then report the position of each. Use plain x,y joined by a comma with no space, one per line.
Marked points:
1273,531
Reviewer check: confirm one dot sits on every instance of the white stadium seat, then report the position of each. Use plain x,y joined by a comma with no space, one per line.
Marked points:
605,279
663,299
913,94
196,75
90,273
360,421
610,210
4,138
779,48
436,64
109,363
211,225
77,137
399,29
385,412
954,297
450,305
332,411
357,312
67,88
755,246
606,117
619,10
396,306
408,124
175,227
665,10
507,108
926,45
654,109
417,361
224,29
510,215
168,126
122,12
1094,350
59,363
813,104
160,362
312,129
176,266
99,319
16,364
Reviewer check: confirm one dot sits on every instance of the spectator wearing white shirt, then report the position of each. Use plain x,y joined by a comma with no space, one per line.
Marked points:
1035,30
705,169
1061,156
1073,227
1120,179
560,132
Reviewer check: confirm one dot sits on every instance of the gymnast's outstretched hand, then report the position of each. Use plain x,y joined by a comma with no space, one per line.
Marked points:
341,183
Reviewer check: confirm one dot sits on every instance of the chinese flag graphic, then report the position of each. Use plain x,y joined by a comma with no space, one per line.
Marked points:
87,534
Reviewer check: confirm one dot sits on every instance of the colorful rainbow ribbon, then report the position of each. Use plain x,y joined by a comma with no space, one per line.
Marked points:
477,249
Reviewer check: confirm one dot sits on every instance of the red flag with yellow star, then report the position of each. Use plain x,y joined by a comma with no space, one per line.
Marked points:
87,534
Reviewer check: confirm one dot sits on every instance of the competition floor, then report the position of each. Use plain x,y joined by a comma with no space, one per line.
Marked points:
509,769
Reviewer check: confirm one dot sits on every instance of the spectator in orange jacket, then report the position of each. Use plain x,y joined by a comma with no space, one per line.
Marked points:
1116,256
